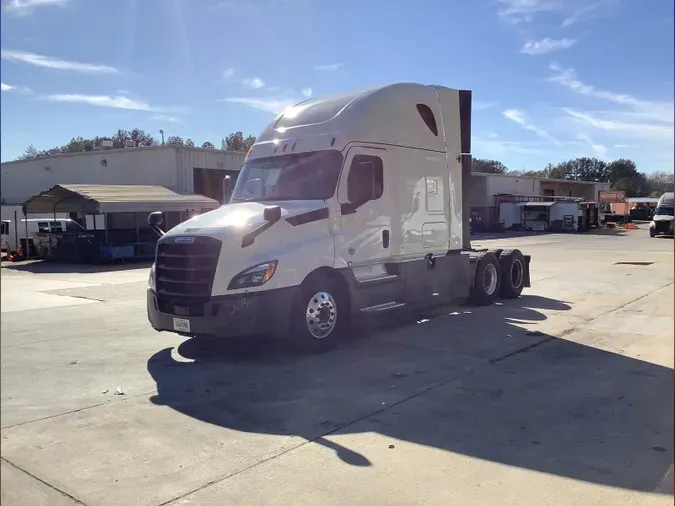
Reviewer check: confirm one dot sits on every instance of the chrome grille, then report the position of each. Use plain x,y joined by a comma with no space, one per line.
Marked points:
186,270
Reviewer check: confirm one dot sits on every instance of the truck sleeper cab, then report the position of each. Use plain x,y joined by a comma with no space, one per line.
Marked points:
346,205
662,221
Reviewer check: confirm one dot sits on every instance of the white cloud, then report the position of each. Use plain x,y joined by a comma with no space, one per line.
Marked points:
648,130
522,119
166,119
54,63
331,67
599,149
496,147
661,111
27,7
115,102
625,146
24,90
272,105
536,47
583,12
307,92
524,11
253,82
480,106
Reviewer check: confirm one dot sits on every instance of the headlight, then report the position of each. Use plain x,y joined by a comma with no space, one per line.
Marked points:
151,278
255,276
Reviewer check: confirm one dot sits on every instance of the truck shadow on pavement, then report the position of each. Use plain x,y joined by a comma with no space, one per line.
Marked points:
466,380
44,267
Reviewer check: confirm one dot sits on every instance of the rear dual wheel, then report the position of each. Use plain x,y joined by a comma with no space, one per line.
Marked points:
495,276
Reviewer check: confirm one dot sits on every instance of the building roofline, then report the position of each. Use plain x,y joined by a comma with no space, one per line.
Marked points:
120,150
488,174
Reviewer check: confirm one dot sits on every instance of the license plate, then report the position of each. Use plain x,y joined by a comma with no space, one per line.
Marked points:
181,325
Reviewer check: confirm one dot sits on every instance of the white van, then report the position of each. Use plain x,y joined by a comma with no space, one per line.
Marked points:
662,221
11,237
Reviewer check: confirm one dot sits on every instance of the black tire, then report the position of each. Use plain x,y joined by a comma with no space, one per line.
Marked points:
321,296
486,281
512,266
651,232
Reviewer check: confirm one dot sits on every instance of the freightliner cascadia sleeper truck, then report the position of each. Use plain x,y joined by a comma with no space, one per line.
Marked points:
353,204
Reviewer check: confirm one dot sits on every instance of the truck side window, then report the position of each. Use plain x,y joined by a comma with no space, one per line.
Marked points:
43,227
366,179
428,116
4,228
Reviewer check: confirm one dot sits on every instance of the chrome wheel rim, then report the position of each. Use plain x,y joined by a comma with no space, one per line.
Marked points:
321,315
490,279
517,273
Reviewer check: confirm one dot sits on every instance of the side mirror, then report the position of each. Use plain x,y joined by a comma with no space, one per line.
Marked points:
272,214
155,221
227,189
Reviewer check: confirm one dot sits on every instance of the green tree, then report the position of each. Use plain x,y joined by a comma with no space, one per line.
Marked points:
488,166
659,182
30,152
623,175
189,143
175,140
208,145
141,138
237,142
583,169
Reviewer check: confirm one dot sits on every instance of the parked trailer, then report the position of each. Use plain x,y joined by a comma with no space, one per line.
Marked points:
353,204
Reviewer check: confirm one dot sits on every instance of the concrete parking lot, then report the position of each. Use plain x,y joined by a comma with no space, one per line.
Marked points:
564,396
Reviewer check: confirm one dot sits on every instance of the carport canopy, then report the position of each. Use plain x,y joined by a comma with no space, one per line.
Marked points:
535,204
100,199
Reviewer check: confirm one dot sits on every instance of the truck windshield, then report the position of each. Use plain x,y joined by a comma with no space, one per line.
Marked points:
296,176
664,211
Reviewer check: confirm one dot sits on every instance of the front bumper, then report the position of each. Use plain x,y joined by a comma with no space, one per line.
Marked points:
265,313
663,227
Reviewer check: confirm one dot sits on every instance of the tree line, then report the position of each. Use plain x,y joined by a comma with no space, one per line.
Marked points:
621,174
233,142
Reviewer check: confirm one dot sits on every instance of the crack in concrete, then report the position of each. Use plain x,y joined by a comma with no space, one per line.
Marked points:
56,489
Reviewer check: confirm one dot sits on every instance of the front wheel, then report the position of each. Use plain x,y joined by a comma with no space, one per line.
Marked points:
652,233
319,316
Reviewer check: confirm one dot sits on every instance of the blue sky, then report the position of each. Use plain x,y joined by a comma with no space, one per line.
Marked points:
552,79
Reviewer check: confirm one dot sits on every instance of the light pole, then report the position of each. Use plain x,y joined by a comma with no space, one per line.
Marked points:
162,132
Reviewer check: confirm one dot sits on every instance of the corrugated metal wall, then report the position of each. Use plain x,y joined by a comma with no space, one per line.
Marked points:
163,165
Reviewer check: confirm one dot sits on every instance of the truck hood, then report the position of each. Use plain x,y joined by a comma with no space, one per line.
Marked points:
240,218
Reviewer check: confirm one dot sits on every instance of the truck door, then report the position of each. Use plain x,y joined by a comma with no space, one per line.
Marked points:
364,240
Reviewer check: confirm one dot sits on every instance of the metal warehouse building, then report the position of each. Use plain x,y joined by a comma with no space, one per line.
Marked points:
201,171
194,170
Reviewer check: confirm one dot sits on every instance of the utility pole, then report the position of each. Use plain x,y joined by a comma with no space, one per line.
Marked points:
162,132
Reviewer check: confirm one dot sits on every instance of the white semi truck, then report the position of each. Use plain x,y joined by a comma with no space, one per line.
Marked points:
662,221
353,204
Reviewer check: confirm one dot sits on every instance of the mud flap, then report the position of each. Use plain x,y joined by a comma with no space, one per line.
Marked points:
526,274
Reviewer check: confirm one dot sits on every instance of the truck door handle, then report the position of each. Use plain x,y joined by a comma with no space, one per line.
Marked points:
385,239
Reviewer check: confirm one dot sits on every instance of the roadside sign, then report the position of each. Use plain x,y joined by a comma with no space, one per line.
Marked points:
611,196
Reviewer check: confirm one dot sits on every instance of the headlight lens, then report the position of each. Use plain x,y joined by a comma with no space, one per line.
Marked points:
255,276
151,278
